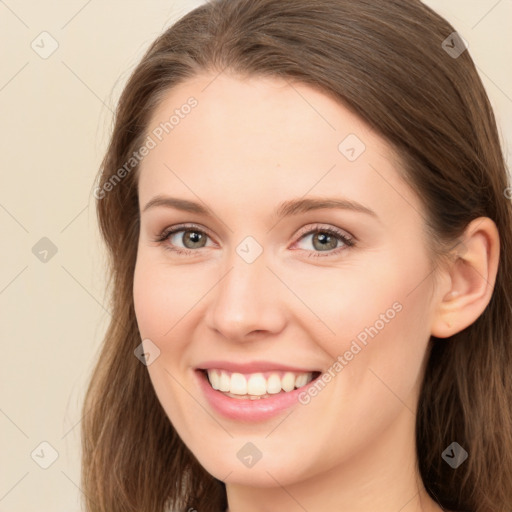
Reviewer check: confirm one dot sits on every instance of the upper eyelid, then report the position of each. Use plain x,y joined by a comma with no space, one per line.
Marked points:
319,227
178,227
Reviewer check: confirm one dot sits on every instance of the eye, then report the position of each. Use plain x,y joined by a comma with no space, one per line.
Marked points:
327,240
192,238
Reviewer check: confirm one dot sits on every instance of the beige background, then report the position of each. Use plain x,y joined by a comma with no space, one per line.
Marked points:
56,114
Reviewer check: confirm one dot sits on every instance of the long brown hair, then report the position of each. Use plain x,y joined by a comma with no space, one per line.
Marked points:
386,61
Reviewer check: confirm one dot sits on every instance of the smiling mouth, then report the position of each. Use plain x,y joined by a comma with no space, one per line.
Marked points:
255,386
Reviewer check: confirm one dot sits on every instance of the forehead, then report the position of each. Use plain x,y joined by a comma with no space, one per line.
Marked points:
249,110
256,138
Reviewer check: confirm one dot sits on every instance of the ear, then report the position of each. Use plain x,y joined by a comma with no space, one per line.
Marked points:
470,278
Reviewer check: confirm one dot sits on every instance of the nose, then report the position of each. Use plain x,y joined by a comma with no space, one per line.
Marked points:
247,302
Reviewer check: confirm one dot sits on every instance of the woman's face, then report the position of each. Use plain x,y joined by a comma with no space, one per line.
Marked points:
265,299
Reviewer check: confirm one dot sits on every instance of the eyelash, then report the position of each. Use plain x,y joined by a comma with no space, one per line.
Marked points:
166,233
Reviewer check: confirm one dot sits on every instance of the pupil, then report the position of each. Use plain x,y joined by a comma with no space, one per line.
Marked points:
324,239
194,237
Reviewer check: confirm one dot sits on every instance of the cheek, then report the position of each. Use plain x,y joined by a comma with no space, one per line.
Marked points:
162,299
381,319
383,296
162,296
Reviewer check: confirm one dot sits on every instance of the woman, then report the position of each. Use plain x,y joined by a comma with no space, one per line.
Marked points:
305,205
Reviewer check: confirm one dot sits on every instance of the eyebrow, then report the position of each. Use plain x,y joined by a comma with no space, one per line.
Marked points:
284,209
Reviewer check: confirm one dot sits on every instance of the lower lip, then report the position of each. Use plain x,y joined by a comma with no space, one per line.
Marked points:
242,409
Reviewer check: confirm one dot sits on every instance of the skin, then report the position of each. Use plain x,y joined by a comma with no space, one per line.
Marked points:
248,145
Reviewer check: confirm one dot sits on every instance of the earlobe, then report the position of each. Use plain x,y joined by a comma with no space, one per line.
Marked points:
472,274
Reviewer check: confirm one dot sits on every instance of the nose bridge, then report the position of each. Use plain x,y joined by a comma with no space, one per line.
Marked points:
245,298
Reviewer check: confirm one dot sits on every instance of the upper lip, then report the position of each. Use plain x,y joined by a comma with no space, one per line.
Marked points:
251,367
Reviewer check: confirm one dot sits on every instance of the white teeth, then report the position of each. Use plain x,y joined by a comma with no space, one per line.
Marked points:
214,376
274,384
301,380
255,385
225,382
238,384
288,382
